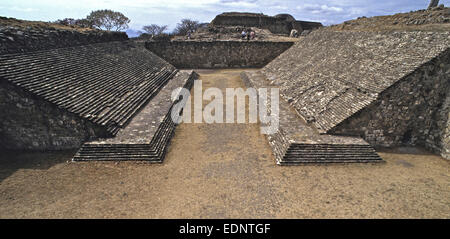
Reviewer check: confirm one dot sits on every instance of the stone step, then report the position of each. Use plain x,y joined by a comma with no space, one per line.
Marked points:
328,161
330,146
329,153
326,154
159,140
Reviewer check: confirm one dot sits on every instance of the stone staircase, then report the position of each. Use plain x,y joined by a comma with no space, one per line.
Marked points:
153,152
148,135
329,153
297,142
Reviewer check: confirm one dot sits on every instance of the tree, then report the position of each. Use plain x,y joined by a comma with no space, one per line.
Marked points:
108,20
155,30
66,21
185,26
433,3
84,23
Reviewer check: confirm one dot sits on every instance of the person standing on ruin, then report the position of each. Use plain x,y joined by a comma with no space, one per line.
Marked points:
252,35
294,33
243,34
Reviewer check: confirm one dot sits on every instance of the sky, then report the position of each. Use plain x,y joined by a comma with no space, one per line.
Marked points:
170,12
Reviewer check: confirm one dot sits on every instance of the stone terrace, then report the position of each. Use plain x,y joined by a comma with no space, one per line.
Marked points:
149,132
105,83
24,36
329,76
296,142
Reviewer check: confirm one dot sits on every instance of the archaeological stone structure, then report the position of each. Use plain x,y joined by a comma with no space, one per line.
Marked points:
343,93
20,39
65,94
390,89
279,24
218,54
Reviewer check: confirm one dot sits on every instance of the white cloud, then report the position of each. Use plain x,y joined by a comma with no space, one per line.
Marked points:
19,9
243,4
320,9
170,12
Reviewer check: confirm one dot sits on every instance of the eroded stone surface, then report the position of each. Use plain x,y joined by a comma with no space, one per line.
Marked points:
218,54
105,83
18,36
294,132
328,76
148,135
400,77
279,24
413,111
143,126
29,122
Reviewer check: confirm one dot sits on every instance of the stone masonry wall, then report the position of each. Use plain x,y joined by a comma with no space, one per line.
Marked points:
276,25
14,39
414,111
445,125
29,122
218,54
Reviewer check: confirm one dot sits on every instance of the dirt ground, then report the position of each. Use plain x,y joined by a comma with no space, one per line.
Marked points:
223,171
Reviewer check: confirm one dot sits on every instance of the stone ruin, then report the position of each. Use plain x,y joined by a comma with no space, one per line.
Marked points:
390,89
93,95
342,93
279,24
198,54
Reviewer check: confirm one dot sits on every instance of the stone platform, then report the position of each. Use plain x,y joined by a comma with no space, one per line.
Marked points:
149,133
296,142
104,83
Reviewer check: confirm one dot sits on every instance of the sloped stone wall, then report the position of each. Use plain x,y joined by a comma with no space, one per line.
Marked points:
217,54
329,76
29,122
414,111
14,39
444,123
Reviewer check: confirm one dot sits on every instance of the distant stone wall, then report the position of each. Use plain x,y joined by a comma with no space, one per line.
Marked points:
414,111
18,39
249,20
29,122
218,54
277,26
283,24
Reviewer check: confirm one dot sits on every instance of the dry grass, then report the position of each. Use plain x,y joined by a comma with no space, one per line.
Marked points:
422,20
36,25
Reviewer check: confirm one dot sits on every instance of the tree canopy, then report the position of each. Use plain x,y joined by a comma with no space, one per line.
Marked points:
154,29
185,26
74,22
108,20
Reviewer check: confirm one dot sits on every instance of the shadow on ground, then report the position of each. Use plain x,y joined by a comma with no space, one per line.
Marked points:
11,161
